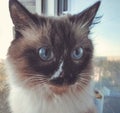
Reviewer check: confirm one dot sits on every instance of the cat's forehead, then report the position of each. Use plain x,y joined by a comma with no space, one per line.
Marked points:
63,29
57,24
55,32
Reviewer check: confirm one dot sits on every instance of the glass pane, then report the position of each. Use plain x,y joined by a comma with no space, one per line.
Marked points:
29,4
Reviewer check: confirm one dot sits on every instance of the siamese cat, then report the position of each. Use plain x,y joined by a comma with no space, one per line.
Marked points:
49,62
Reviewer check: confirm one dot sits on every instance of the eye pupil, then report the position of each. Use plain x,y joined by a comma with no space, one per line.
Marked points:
45,53
77,53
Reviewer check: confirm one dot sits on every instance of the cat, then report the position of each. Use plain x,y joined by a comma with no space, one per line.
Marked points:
49,62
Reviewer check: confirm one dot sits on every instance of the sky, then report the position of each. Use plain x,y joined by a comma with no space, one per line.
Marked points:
105,35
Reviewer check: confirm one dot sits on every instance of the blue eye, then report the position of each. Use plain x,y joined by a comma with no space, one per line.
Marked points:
46,54
77,53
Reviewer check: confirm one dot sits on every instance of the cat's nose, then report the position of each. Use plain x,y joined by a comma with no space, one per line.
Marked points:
63,80
57,81
61,74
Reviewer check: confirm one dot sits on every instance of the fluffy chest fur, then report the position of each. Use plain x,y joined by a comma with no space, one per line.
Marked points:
44,101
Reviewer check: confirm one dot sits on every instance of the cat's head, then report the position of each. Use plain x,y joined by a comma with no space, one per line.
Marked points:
51,50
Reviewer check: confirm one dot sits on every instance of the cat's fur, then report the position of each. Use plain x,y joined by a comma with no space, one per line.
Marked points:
31,87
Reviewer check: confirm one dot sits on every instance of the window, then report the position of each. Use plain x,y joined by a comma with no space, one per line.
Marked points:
43,6
29,4
62,6
54,7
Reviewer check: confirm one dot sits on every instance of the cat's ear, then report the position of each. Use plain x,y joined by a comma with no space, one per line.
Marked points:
86,17
21,17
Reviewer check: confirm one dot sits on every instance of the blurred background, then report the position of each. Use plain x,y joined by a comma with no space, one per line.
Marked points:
105,36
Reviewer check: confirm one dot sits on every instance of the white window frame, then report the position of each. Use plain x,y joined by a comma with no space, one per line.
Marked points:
49,7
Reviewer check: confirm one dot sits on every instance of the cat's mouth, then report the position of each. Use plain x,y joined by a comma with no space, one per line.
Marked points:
62,83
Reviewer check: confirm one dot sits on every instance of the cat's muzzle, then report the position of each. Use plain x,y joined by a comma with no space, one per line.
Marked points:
63,80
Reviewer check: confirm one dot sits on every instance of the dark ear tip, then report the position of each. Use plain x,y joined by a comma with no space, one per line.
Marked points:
97,4
12,2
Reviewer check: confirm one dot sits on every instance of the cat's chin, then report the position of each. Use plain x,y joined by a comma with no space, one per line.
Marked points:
62,89
59,89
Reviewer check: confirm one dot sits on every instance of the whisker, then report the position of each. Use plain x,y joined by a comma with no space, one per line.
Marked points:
85,74
84,78
82,86
36,79
84,82
40,81
36,82
34,74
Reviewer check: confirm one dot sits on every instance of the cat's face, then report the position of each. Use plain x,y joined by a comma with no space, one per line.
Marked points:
53,51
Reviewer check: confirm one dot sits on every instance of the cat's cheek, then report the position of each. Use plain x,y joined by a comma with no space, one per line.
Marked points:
11,70
15,75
